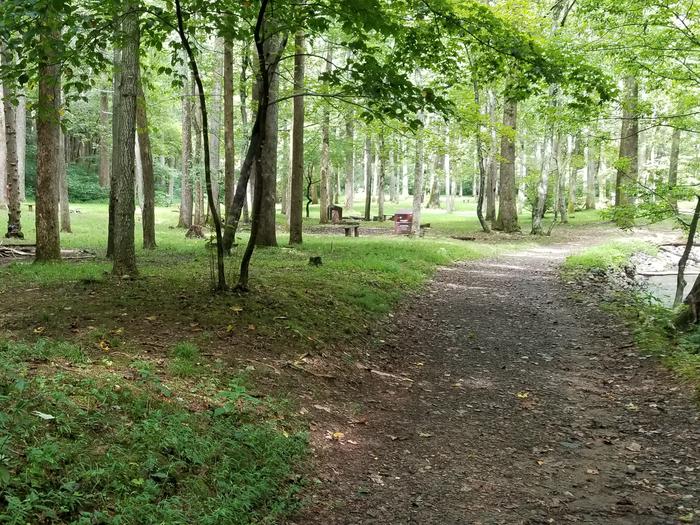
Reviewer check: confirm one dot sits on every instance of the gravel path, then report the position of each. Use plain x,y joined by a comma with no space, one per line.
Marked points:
524,406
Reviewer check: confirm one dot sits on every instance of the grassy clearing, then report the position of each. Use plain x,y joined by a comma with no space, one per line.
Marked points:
654,325
82,444
609,256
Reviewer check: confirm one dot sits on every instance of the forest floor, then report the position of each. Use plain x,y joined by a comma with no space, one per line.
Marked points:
504,395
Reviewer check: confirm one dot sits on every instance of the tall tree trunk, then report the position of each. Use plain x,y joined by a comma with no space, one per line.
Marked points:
197,162
14,225
404,171
104,140
269,52
221,275
267,221
381,178
116,74
673,167
577,162
48,130
229,137
138,169
22,145
680,279
296,183
395,174
492,171
447,170
418,184
124,145
434,186
3,156
64,203
592,167
349,162
148,211
480,159
215,124
628,163
325,146
561,208
539,209
244,81
186,195
508,204
369,157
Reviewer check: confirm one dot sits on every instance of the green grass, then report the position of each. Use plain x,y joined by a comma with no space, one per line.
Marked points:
608,256
90,446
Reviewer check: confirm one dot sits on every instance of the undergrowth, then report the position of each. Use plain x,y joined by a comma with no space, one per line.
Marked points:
655,327
81,444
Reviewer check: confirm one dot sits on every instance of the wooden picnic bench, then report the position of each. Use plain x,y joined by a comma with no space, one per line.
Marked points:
351,228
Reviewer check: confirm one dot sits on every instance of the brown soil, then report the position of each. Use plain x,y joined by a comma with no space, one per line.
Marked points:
495,398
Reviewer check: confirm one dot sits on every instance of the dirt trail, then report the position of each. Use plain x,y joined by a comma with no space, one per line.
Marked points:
525,407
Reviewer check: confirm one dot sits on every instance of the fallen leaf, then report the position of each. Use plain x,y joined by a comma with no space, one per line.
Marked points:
425,434
39,330
104,345
337,436
592,471
237,309
522,395
46,417
321,407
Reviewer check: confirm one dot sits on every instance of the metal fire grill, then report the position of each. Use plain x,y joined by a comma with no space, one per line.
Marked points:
403,220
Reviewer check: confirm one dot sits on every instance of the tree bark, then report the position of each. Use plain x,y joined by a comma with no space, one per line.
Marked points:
215,124
349,162
539,209
198,196
267,221
22,145
325,147
628,163
268,59
229,142
434,186
680,280
116,74
296,190
221,275
592,167
64,203
492,169
673,167
48,129
576,163
14,224
508,200
561,208
480,160
148,212
418,184
381,178
369,158
104,140
3,156
123,146
186,196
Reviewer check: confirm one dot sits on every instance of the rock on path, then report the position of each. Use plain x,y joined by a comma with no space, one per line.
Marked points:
525,407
